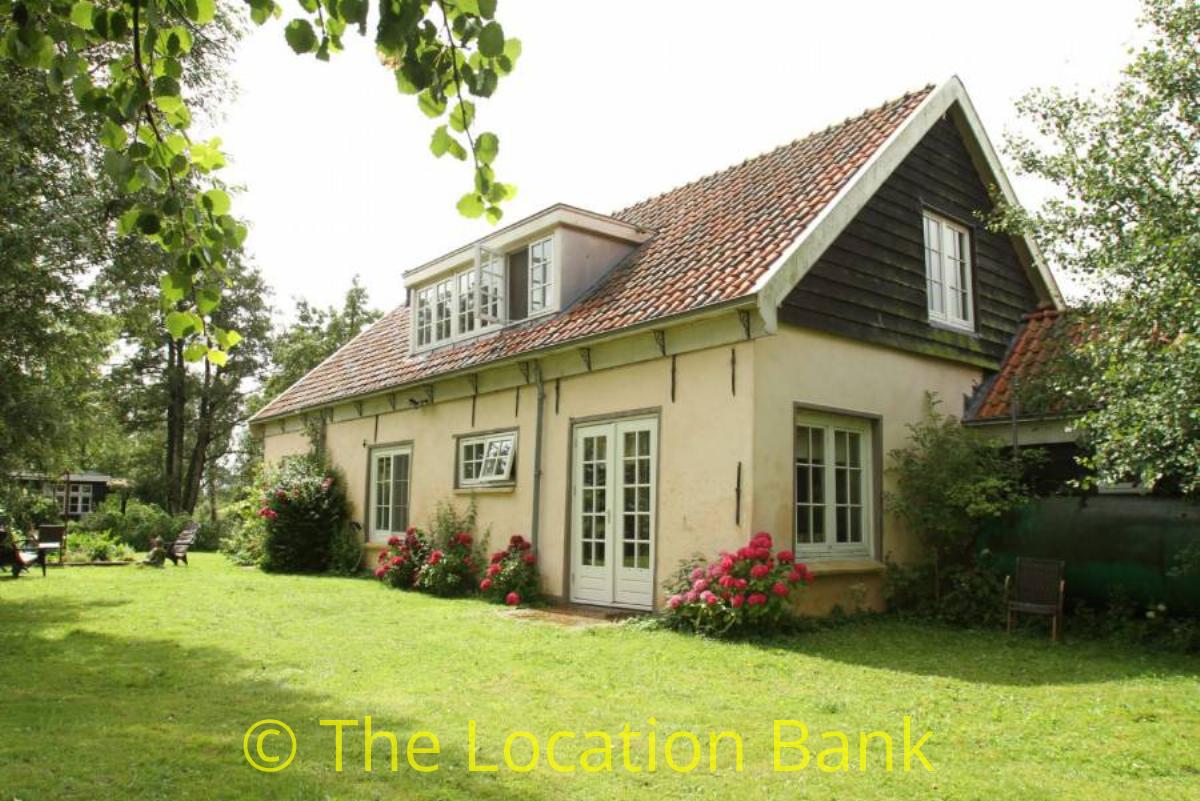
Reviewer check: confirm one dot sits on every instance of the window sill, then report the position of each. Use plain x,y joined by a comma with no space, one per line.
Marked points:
487,489
824,566
941,325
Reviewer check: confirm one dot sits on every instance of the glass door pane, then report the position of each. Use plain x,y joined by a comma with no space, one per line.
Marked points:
594,501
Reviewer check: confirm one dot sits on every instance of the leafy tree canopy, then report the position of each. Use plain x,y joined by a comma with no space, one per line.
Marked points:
130,65
1127,222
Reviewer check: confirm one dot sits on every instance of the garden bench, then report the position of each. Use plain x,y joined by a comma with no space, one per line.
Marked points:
178,548
1039,589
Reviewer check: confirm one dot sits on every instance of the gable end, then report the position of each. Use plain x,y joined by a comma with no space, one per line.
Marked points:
870,282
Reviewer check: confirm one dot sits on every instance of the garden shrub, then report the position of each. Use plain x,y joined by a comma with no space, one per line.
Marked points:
140,522
347,553
1150,625
744,592
512,575
970,595
24,510
451,568
400,563
443,562
306,510
244,532
96,546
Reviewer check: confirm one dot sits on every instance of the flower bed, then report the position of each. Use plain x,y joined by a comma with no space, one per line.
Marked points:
748,590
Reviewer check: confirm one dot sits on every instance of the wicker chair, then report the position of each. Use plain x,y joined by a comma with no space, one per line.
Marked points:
1039,589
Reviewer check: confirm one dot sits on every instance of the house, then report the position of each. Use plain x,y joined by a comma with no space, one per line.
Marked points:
734,355
76,493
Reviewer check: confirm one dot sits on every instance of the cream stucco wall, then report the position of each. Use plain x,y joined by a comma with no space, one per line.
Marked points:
709,428
702,437
802,367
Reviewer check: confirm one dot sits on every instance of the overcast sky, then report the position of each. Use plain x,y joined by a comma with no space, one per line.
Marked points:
611,102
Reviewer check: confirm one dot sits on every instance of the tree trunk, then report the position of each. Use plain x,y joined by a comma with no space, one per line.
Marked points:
176,408
199,460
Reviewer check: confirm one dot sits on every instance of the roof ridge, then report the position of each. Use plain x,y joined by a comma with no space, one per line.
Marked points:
893,102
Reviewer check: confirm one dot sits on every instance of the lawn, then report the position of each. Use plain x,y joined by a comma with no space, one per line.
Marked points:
128,683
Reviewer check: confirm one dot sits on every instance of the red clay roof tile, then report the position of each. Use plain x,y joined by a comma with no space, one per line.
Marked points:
714,238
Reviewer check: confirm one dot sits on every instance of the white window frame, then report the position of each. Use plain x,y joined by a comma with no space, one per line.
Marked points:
376,532
80,500
490,274
948,275
497,455
423,318
545,285
830,427
465,319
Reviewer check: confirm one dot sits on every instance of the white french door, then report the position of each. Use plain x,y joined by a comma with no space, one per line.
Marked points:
614,484
391,475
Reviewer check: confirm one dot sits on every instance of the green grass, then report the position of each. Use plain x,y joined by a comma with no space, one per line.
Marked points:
129,683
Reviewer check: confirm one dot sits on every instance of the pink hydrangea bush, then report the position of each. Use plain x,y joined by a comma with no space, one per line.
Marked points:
750,590
400,564
512,576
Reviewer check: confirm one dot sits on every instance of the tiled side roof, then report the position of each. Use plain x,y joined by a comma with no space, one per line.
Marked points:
714,239
1042,339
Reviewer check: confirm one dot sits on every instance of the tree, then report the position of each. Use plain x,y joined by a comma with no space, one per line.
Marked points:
1127,223
179,419
130,65
51,232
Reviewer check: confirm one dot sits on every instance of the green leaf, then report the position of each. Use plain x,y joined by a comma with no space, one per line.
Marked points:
300,36
216,202
173,288
440,142
181,323
200,12
168,104
470,205
430,104
217,357
232,338
113,136
468,6
457,150
195,351
462,116
207,300
491,40
81,14
166,86
487,147
494,213
487,8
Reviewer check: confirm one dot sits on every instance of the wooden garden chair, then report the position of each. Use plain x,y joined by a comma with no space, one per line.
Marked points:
51,538
1039,589
177,549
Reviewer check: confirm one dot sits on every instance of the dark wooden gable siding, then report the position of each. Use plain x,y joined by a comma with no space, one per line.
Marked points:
870,283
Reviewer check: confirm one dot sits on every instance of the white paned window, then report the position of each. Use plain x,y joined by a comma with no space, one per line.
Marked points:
491,290
424,321
443,310
80,502
466,302
832,486
391,471
541,275
487,459
948,272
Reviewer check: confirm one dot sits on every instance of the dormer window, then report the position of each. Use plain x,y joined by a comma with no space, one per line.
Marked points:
541,275
948,273
530,269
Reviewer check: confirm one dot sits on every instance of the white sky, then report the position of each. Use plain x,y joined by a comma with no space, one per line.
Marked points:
611,102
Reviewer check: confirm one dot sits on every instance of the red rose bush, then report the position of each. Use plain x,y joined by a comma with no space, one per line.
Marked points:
512,577
748,590
401,563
